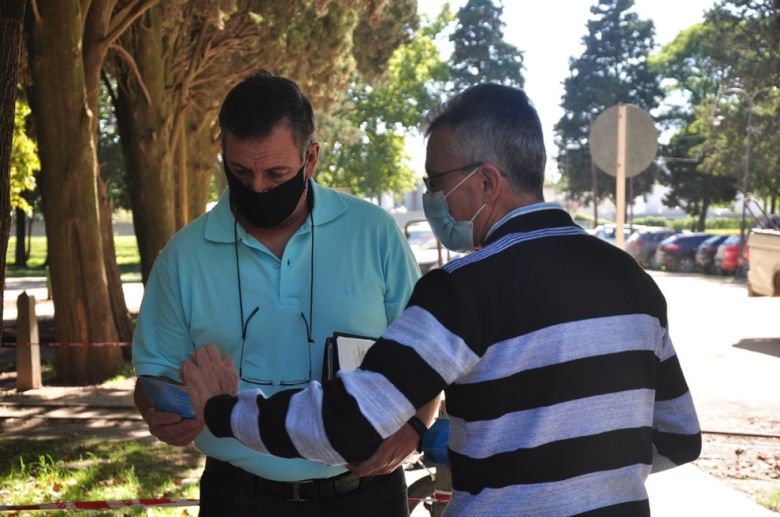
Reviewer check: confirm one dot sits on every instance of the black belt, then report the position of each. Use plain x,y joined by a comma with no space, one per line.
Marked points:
306,490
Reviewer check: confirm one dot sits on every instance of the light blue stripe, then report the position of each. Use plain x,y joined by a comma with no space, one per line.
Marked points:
539,426
510,240
380,402
676,415
442,350
306,429
568,497
536,207
567,342
244,420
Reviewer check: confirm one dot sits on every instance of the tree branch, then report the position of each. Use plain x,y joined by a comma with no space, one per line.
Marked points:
125,17
124,54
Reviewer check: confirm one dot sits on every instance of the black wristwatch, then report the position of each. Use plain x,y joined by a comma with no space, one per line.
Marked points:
419,428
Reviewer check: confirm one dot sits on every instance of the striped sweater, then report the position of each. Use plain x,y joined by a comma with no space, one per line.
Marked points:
562,385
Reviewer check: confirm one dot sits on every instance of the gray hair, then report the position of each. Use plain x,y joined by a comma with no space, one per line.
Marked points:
497,124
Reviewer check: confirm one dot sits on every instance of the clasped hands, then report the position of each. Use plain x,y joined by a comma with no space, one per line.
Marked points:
209,374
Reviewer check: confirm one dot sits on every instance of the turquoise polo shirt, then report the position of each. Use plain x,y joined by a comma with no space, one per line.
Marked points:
364,273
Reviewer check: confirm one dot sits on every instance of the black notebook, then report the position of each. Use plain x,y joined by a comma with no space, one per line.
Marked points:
344,352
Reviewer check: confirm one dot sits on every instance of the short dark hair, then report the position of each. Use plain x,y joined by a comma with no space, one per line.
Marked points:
496,123
262,101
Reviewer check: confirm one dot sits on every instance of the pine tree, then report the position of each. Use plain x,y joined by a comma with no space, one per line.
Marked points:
480,53
613,69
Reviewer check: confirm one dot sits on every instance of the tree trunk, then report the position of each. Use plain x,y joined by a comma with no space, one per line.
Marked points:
702,222
20,253
69,191
11,21
118,304
145,136
203,150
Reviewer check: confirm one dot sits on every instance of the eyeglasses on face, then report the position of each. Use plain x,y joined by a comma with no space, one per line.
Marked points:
432,180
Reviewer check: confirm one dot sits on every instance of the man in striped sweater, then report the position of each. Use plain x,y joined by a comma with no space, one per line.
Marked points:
552,347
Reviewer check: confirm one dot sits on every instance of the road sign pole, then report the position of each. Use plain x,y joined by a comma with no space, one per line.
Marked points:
620,177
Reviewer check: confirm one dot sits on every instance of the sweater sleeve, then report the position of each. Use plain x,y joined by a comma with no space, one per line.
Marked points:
676,433
345,420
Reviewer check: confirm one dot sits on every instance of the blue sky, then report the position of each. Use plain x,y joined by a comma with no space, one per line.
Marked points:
549,32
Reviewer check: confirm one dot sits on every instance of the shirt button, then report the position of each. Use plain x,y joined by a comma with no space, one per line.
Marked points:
276,265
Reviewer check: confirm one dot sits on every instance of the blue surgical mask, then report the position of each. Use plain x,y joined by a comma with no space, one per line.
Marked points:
454,235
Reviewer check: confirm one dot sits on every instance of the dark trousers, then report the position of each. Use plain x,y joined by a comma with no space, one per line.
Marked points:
226,490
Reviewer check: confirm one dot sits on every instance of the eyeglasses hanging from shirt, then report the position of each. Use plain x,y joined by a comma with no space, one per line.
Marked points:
308,323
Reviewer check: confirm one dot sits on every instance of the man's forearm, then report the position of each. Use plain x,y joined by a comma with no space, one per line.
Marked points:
429,411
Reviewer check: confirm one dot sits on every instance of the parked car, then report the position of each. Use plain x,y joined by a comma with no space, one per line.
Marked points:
642,245
705,253
427,250
727,260
677,252
607,232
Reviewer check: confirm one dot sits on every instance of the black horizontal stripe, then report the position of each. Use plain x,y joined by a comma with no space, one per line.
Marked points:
553,384
553,462
405,369
347,429
679,448
545,282
628,509
671,381
273,432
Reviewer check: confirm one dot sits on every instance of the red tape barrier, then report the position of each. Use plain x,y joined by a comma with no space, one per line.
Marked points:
69,344
100,505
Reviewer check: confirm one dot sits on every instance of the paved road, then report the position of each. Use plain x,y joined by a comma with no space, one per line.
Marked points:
729,347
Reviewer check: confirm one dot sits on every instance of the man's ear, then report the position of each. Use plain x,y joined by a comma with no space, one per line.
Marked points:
311,159
493,181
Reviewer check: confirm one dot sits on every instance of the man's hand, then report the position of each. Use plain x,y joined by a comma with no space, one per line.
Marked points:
390,454
171,428
207,375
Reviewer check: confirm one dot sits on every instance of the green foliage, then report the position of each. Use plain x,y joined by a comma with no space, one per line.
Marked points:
737,45
480,52
612,69
651,220
363,144
691,187
70,469
24,159
109,152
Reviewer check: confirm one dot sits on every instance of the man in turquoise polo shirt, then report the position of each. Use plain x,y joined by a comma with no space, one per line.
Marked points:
277,266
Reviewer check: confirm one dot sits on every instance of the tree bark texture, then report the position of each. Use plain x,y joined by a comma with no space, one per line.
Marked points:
69,192
146,138
11,22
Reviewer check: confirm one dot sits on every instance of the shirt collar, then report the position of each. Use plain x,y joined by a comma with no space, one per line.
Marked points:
527,209
328,205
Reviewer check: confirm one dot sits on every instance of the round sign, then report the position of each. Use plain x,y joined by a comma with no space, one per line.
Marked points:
641,140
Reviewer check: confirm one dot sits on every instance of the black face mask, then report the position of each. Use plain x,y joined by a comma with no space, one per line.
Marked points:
266,209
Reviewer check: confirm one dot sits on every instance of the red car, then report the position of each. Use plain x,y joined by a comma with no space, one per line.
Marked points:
727,259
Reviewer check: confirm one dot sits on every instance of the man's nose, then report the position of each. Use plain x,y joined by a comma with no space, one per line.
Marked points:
259,182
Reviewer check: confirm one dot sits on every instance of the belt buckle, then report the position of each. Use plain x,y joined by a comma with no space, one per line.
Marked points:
296,492
346,483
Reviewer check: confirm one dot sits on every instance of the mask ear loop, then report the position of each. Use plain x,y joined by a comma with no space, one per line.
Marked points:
461,182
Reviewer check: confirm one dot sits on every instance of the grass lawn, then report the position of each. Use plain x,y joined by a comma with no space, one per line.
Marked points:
67,469
127,258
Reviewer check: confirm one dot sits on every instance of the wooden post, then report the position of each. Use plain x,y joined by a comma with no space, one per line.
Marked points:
620,177
28,349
